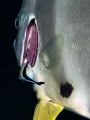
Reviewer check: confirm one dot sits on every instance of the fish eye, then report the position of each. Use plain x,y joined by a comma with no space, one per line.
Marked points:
17,23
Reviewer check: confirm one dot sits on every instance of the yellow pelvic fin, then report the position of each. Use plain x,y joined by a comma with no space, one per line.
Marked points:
47,111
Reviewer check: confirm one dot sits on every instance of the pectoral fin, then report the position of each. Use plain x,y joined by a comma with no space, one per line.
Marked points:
47,111
50,55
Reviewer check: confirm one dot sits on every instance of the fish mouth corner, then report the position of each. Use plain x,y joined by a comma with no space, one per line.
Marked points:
30,45
24,76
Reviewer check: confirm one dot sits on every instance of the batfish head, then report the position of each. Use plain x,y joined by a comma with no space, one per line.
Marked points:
27,42
54,39
27,33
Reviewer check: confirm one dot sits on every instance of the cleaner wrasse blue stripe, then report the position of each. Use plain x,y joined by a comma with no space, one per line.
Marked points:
23,76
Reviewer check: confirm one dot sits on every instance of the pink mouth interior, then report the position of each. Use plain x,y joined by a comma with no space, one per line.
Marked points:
31,44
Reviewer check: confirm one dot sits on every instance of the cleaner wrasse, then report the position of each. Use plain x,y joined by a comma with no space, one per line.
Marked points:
53,51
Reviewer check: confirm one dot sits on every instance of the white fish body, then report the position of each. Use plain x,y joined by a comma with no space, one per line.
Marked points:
62,57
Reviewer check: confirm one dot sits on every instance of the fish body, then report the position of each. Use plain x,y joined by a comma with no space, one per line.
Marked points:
59,57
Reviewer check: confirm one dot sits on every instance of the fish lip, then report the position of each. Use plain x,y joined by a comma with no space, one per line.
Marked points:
24,76
29,53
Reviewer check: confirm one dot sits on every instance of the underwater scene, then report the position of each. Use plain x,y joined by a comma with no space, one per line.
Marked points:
17,97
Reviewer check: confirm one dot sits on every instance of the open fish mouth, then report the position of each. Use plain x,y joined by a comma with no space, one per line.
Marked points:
29,54
30,44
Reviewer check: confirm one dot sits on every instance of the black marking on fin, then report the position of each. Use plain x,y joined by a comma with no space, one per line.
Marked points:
66,89
28,79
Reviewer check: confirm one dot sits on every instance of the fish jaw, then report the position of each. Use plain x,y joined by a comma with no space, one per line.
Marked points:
30,44
26,48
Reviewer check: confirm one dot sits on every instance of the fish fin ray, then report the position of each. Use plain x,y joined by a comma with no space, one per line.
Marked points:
50,55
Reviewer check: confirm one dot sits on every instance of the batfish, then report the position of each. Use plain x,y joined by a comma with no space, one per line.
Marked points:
52,48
